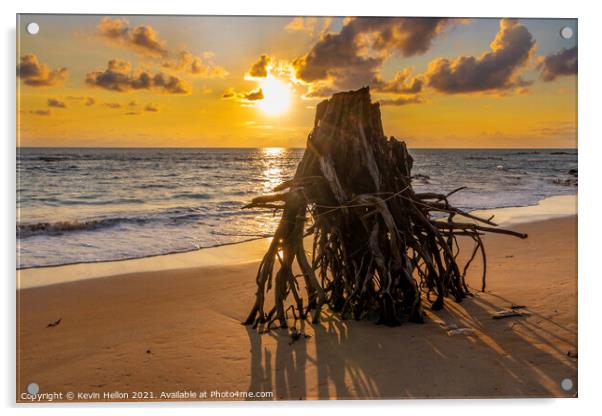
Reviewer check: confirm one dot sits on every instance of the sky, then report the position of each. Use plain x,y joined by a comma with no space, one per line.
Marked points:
227,81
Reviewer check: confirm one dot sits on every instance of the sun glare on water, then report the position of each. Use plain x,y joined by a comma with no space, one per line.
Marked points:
276,96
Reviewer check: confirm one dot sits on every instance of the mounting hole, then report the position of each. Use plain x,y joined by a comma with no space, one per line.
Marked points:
32,28
33,388
566,33
566,384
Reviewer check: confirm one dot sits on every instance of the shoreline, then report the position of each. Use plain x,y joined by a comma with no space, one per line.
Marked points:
252,250
165,330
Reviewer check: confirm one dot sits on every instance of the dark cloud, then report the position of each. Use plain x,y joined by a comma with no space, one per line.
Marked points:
402,83
88,101
320,90
561,63
353,57
151,108
142,39
53,102
171,84
492,71
119,77
201,67
132,113
231,94
402,101
259,69
40,112
37,74
145,38
254,95
113,105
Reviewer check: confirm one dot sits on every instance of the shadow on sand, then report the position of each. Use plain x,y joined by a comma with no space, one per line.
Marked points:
515,357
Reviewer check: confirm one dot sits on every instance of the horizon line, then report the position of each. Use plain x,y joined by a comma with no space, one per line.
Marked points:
273,147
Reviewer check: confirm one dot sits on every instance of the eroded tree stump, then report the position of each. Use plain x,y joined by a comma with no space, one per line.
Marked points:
377,250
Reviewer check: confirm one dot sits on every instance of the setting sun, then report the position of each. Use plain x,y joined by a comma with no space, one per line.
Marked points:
277,96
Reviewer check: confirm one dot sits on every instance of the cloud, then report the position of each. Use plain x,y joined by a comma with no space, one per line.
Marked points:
88,101
201,67
113,105
229,93
53,102
142,39
492,71
402,83
561,63
119,77
151,108
254,95
40,112
259,69
37,74
402,101
302,24
132,113
319,90
353,57
170,84
558,129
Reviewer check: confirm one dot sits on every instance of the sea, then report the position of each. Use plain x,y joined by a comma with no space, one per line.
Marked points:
79,205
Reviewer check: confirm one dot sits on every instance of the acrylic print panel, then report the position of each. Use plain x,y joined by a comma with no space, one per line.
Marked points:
387,204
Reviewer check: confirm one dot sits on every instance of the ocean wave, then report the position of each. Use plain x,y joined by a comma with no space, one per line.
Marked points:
186,195
60,227
532,152
565,181
483,158
174,215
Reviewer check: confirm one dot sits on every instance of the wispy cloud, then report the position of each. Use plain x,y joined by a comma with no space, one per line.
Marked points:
40,112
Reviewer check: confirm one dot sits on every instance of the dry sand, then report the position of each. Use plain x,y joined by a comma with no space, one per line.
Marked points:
176,330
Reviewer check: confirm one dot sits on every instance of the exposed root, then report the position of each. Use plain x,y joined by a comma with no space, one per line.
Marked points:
377,248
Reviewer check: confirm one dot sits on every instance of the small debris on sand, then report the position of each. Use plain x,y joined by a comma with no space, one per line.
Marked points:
508,313
461,331
55,323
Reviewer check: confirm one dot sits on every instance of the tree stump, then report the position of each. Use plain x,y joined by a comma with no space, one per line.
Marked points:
377,250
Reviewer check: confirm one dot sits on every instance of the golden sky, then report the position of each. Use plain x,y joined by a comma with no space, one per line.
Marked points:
148,81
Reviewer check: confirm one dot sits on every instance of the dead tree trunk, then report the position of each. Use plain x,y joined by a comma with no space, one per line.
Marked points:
377,250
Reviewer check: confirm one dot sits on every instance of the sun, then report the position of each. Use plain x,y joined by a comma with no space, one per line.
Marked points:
277,96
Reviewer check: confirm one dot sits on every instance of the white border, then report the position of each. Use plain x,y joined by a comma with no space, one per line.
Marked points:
590,138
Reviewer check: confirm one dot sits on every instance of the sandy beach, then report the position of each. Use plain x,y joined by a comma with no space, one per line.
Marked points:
172,323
